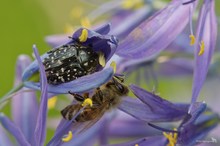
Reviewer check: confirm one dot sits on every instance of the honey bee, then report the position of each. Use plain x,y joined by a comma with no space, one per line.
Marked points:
69,62
104,98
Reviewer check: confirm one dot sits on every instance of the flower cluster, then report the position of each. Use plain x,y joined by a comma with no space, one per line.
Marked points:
147,38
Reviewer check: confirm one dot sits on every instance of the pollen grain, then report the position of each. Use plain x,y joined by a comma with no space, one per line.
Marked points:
87,101
84,35
192,39
68,137
202,48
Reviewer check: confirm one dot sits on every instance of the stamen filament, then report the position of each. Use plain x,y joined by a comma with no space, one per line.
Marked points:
188,2
191,36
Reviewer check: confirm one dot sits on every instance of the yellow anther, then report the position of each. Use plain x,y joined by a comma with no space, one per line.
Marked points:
113,65
87,101
52,102
68,137
85,22
136,145
202,48
84,35
132,4
102,59
192,39
172,138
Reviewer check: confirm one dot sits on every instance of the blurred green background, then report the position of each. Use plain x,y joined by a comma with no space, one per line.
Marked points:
24,23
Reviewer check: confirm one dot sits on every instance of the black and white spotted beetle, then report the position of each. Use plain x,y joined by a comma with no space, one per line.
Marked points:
70,61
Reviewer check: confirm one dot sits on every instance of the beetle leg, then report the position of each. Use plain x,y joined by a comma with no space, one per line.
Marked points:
77,96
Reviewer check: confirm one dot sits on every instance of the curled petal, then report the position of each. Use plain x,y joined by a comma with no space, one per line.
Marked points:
207,32
155,34
58,40
80,85
106,44
40,129
14,130
24,105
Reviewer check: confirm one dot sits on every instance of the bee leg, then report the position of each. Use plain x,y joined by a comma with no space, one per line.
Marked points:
99,93
77,96
118,85
86,95
120,78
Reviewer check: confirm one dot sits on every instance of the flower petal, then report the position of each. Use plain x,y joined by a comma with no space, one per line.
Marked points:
145,113
151,36
104,29
4,139
207,31
63,127
106,44
24,104
152,108
80,85
122,29
148,141
14,130
32,68
129,127
40,129
198,126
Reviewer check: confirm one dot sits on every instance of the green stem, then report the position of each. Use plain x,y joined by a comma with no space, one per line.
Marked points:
8,95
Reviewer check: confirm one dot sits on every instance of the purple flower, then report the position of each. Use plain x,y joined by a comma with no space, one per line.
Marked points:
206,39
192,130
29,124
150,38
100,43
152,108
34,119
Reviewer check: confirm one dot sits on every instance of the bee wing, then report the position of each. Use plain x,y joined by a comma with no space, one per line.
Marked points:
97,112
89,124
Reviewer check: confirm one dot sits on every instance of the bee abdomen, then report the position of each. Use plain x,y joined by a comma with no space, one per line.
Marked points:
69,111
